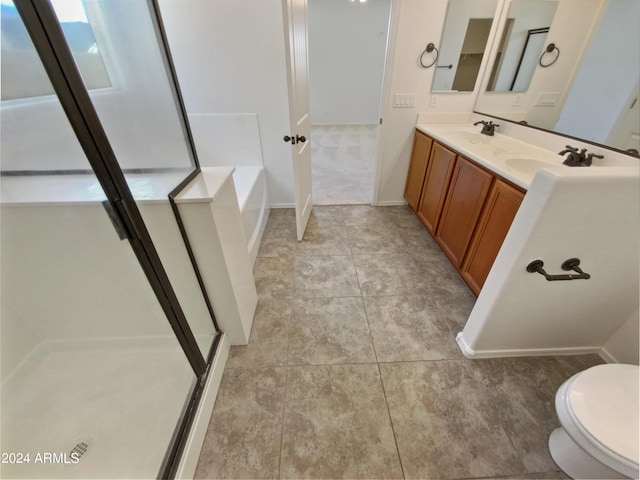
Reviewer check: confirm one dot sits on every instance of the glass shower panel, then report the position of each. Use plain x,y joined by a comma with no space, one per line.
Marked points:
145,127
93,382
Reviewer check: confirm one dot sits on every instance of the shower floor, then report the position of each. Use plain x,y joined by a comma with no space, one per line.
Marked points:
118,399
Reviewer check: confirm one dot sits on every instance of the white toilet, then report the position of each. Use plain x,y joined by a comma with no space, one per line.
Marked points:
598,411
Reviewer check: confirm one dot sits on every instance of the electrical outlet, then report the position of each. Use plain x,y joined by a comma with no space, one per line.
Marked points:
433,101
516,101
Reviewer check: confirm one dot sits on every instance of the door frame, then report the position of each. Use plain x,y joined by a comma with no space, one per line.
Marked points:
385,103
393,26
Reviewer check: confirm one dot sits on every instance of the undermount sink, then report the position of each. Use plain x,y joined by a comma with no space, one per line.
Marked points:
528,165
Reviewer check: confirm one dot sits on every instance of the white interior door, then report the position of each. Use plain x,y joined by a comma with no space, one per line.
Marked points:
295,16
626,132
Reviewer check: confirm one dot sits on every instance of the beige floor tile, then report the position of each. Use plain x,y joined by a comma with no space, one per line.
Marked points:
393,274
273,276
329,330
446,425
409,328
326,276
336,425
326,216
268,341
376,240
324,241
243,438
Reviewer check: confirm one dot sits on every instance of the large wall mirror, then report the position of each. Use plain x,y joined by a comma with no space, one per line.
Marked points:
521,44
591,91
464,40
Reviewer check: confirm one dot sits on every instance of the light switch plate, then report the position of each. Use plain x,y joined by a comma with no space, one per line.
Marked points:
404,100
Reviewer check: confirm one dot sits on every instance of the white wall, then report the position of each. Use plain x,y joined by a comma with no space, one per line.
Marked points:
415,24
347,47
230,59
623,344
616,42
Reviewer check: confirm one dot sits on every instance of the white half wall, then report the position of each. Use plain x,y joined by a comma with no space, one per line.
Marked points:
347,47
230,59
579,215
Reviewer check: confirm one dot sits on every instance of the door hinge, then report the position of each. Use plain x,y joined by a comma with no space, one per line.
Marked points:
380,121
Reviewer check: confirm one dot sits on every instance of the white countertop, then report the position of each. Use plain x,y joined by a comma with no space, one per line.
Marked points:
205,186
512,159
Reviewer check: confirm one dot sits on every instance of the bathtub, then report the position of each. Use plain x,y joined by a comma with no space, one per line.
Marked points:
251,189
233,140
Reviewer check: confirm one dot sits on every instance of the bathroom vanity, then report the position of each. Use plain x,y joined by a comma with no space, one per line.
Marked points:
464,199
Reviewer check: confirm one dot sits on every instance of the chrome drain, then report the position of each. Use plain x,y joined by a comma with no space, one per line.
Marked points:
80,448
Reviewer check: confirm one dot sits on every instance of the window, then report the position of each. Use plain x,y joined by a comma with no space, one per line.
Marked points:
22,73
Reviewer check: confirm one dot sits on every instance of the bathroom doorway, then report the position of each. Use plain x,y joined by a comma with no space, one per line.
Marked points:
346,71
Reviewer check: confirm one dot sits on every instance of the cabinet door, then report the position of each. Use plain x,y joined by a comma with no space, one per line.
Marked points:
498,214
417,169
467,192
434,191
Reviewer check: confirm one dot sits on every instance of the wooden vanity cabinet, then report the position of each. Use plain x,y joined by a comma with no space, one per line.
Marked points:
436,182
467,192
500,209
466,208
417,169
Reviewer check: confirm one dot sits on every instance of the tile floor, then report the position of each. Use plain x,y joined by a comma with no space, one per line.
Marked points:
342,158
352,370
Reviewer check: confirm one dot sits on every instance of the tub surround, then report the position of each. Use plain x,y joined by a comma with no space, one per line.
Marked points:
567,212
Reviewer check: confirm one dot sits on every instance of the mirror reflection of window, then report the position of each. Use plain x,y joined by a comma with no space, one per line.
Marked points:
521,45
30,79
463,44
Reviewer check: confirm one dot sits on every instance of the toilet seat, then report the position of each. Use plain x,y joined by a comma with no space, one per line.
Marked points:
599,410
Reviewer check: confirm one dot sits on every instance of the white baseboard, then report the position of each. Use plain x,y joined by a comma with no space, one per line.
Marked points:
283,205
531,352
606,356
391,203
191,454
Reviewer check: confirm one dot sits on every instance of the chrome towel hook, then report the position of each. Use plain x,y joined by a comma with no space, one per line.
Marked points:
550,48
430,48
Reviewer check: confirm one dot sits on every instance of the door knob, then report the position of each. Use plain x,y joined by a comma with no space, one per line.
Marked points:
287,138
300,139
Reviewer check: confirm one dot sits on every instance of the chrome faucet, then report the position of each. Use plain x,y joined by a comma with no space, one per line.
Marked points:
488,128
578,158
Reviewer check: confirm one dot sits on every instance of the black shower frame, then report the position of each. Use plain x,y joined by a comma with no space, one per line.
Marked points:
48,38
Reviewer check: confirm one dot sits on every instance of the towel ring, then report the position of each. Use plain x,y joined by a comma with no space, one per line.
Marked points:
550,48
430,48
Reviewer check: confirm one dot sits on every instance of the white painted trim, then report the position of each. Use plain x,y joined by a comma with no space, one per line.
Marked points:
606,356
530,352
191,454
283,205
392,40
389,203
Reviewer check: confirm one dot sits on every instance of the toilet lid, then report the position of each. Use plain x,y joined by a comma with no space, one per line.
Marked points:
604,399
